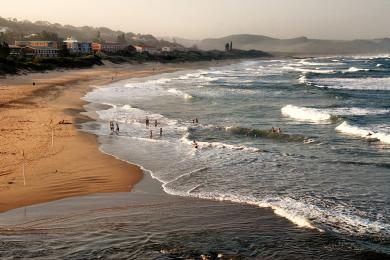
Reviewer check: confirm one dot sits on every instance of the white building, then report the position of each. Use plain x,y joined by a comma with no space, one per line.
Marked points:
74,46
148,49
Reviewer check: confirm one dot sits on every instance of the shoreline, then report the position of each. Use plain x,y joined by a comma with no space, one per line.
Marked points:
74,166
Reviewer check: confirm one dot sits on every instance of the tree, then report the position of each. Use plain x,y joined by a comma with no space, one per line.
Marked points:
121,39
4,50
227,46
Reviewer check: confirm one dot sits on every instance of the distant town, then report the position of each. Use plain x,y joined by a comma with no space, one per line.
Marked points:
40,46
72,46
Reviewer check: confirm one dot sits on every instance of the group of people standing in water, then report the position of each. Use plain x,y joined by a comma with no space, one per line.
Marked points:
276,130
112,127
147,123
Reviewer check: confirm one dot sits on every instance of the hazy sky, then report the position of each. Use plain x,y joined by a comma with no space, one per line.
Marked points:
335,19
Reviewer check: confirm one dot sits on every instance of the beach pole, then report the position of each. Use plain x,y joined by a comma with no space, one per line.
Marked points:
24,177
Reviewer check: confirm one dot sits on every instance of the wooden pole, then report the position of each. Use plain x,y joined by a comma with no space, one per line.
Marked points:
24,177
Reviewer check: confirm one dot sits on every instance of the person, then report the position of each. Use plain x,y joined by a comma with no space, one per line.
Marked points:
111,126
161,131
195,144
117,127
33,83
279,131
155,123
196,120
272,130
147,121
369,134
151,134
193,121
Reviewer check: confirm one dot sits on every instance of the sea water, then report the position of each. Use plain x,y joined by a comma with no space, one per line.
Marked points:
328,169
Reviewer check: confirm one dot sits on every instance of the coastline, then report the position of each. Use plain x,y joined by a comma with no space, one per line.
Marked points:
73,166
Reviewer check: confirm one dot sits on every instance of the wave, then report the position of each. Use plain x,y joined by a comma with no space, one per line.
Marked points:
357,111
306,114
252,132
354,69
302,79
353,83
363,132
315,71
218,145
303,214
179,93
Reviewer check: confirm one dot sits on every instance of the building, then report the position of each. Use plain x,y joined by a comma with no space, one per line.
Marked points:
76,47
174,48
35,49
148,49
166,49
15,50
51,44
45,51
96,47
108,47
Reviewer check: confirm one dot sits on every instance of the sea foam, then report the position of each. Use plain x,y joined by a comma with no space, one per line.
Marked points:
306,114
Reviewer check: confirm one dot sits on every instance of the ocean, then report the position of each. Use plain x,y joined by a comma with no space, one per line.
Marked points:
328,169
319,188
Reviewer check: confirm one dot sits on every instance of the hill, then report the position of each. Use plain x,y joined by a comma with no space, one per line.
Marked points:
12,29
301,45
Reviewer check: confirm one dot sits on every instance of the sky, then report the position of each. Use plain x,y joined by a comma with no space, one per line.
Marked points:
198,19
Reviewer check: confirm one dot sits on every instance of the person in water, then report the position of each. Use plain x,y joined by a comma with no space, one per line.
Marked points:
195,144
151,134
196,120
117,127
279,131
147,121
369,134
155,123
111,126
161,131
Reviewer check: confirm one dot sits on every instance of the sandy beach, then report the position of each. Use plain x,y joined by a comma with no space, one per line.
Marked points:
38,132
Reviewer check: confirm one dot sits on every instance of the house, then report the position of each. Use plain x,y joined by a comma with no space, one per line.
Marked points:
46,51
148,49
35,49
76,47
52,44
15,50
40,51
166,49
108,47
174,48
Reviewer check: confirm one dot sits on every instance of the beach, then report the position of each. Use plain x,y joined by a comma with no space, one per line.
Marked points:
242,193
59,161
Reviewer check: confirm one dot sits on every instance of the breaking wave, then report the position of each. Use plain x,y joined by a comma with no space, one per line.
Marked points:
306,114
363,132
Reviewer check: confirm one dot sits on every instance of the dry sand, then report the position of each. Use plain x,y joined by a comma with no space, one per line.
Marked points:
73,166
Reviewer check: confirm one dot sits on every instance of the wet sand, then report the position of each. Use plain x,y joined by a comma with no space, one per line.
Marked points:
59,160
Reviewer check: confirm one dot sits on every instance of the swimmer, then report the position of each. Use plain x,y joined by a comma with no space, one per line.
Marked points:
155,123
147,121
161,131
151,134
